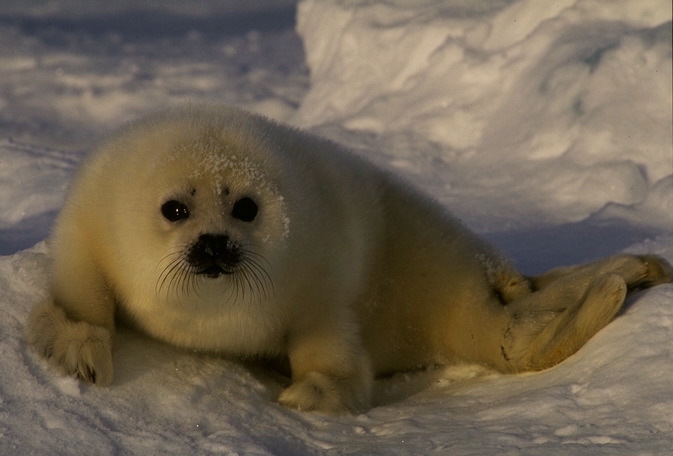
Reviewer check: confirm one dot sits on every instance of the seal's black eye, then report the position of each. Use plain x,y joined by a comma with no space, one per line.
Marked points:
245,209
174,210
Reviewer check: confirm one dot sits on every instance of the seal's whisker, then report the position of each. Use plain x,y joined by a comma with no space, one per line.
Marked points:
168,272
249,279
259,274
253,279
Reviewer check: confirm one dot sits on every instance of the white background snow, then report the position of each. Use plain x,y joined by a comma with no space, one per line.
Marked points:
546,126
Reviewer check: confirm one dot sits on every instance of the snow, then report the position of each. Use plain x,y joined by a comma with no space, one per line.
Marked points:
549,88
546,126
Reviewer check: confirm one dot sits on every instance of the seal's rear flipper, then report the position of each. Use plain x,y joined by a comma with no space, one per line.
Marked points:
571,305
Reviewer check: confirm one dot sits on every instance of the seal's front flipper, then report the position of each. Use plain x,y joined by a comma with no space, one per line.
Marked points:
76,348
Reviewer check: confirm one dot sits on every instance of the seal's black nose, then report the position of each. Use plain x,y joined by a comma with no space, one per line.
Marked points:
213,255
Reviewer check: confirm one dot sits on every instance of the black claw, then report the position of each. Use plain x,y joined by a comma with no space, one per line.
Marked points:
87,374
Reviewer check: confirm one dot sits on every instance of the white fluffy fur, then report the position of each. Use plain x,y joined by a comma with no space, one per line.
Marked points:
355,274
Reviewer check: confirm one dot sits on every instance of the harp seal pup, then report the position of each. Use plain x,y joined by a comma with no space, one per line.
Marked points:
215,229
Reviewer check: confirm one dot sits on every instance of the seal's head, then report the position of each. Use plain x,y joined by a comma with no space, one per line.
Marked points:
211,217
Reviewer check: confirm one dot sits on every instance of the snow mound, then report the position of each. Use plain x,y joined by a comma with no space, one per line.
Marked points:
576,93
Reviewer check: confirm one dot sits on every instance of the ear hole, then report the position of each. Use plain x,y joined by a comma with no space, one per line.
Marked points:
174,211
245,209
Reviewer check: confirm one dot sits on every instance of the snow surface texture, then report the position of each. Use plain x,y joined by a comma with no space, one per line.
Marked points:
545,125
